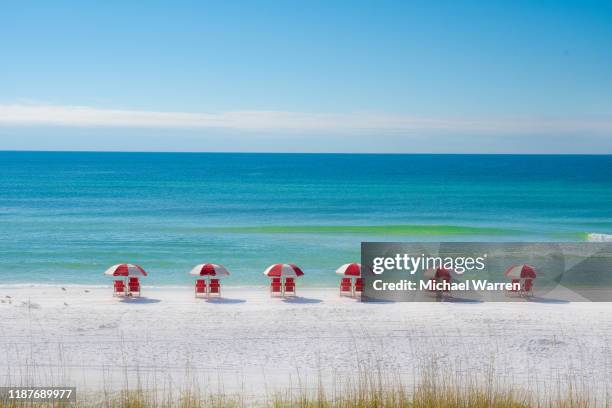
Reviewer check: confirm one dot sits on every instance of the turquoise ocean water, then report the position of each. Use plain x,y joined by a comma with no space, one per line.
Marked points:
66,217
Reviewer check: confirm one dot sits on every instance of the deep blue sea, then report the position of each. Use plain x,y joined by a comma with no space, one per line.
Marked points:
66,217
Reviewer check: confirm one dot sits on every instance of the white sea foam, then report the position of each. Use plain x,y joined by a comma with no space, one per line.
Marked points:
595,237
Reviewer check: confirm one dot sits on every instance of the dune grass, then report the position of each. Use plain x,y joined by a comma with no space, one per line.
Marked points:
391,398
367,391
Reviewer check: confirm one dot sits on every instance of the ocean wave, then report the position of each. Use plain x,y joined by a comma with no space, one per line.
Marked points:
398,229
598,237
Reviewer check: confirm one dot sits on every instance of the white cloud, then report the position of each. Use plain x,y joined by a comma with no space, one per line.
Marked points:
270,121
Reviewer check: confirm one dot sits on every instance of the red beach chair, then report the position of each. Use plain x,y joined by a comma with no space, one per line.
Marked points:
358,286
214,289
200,288
515,282
346,287
432,292
275,287
134,286
514,292
446,279
528,287
119,288
289,287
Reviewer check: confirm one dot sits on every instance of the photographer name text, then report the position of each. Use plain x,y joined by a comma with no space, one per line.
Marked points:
443,286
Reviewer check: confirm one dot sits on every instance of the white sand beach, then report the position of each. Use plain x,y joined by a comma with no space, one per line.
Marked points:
250,343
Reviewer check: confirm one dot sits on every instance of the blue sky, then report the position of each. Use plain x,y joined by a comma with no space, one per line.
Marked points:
307,76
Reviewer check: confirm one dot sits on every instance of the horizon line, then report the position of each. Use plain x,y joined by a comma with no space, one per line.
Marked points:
301,153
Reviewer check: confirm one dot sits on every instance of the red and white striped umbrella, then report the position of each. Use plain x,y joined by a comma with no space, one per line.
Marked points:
349,269
125,270
209,269
277,270
438,273
522,271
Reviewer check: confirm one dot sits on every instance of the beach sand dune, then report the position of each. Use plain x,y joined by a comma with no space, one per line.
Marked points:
250,343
